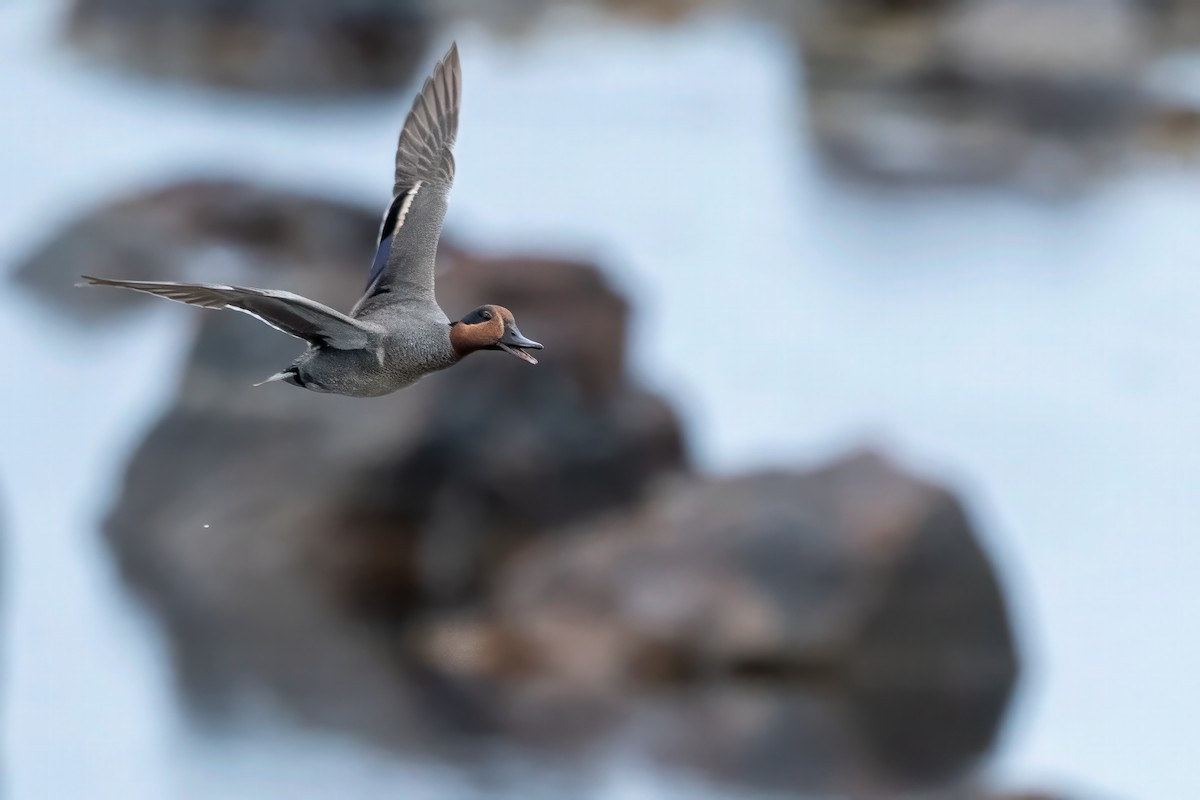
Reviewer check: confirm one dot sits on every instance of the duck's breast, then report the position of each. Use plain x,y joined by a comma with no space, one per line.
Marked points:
418,348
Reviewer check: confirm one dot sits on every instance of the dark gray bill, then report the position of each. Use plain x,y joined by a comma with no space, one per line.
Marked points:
513,338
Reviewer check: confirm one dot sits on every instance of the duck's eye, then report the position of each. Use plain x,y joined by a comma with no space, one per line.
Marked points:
486,315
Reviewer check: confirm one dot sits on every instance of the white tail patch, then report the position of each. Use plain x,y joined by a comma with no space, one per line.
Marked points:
278,376
408,201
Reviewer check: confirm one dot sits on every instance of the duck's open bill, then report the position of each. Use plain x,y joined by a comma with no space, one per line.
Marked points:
514,342
518,353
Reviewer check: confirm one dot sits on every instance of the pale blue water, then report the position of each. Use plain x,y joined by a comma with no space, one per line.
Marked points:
1040,357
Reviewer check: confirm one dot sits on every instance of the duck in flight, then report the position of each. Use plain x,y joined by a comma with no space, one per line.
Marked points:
396,333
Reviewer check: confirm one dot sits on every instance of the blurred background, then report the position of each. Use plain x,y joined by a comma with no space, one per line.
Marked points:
859,463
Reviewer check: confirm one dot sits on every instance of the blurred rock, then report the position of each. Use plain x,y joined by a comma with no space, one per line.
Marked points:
855,572
793,738
661,10
291,47
1178,22
856,577
1107,40
1045,94
521,16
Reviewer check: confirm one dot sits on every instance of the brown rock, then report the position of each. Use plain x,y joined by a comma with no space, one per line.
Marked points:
832,631
856,571
292,47
796,737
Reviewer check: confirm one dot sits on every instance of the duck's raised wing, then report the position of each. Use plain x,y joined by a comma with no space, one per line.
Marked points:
412,225
296,316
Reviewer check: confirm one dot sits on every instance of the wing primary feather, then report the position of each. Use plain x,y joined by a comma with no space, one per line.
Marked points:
286,312
424,151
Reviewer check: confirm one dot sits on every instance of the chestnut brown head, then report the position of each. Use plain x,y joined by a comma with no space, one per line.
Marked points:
491,327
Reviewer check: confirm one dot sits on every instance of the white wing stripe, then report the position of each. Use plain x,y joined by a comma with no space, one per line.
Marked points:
408,201
263,320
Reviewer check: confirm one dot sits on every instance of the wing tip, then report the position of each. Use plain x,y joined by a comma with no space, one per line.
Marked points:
449,66
427,138
455,66
448,73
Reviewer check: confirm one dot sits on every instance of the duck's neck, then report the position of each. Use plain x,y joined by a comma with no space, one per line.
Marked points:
466,339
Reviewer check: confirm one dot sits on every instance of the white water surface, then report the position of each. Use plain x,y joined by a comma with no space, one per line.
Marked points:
1040,357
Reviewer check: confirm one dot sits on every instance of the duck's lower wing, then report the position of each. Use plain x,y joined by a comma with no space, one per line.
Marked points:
296,316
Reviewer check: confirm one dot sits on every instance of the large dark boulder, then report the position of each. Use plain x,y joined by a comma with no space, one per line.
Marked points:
857,570
291,47
715,601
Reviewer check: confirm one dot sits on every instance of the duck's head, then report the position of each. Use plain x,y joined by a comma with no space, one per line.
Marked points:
491,328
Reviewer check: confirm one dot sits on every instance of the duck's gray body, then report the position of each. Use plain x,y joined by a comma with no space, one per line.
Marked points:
410,341
407,332
397,332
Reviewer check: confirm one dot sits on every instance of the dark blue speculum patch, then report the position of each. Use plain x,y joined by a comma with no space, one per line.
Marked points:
385,237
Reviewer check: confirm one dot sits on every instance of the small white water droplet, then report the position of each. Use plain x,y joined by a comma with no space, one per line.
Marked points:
206,526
